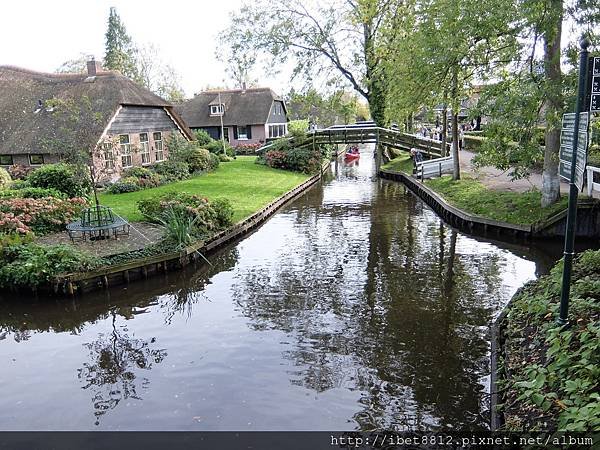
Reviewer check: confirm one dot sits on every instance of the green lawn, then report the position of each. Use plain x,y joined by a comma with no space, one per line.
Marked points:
513,207
402,163
247,185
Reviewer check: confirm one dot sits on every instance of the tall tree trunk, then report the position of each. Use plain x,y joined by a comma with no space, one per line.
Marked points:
455,110
455,156
553,104
444,130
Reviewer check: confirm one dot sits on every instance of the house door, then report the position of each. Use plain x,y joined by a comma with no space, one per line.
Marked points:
226,133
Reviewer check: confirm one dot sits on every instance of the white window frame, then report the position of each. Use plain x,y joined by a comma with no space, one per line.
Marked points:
145,149
159,154
126,159
109,156
217,110
244,136
277,130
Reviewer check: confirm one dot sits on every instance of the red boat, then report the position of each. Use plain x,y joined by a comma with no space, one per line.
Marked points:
352,154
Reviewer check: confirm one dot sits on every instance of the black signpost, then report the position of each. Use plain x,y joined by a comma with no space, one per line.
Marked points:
573,188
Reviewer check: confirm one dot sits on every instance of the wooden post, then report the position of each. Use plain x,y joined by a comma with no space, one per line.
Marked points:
145,271
126,276
105,281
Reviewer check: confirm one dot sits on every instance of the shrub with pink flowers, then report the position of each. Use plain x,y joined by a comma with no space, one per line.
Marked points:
19,171
247,149
38,215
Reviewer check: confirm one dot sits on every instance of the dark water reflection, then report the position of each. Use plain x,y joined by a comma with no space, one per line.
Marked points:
353,308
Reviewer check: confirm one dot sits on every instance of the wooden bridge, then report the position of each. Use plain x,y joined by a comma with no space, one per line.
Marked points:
366,133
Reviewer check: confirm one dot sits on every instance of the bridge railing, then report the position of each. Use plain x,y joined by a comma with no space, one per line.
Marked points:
352,134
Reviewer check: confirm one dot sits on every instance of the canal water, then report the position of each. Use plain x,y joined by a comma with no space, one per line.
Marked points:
353,308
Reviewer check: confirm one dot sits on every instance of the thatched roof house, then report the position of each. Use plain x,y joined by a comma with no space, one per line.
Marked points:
249,115
45,116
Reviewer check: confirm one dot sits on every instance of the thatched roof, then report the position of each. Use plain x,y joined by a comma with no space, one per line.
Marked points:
28,125
242,107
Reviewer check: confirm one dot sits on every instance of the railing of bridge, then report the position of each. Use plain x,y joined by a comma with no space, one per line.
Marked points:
353,134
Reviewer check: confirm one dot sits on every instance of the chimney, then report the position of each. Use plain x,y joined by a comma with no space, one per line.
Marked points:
93,67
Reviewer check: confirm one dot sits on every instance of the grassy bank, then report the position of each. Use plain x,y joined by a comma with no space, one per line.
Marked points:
473,197
550,379
247,185
513,207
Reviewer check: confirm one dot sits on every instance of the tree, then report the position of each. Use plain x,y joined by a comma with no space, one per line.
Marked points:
154,74
334,41
446,45
537,90
120,52
339,107
74,65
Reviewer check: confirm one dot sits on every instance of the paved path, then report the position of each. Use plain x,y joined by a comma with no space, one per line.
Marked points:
496,179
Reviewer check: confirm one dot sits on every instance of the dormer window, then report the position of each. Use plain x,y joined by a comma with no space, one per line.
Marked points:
217,110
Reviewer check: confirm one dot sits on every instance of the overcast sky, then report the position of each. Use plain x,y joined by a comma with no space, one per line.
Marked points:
41,35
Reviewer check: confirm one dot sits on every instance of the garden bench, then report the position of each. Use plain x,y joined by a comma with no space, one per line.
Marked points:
98,223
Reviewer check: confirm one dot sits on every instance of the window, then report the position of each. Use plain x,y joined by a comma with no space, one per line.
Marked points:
145,148
6,160
158,146
217,110
109,156
36,160
277,130
242,133
125,150
278,109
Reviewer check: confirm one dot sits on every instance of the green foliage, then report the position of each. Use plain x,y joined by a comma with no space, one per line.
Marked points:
284,156
62,177
298,127
120,51
198,160
553,382
180,227
217,147
402,163
5,178
339,107
512,207
128,184
145,178
30,265
214,160
174,207
172,170
31,192
202,138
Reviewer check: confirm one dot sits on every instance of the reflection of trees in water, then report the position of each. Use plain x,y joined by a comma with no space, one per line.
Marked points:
115,360
408,331
189,290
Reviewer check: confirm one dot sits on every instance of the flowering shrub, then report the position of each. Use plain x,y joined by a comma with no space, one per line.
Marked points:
276,158
5,178
207,216
19,171
31,192
247,149
124,185
41,216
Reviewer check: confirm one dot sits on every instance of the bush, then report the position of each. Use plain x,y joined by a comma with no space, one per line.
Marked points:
202,138
198,160
224,158
172,170
30,265
124,185
31,192
298,127
43,215
208,217
296,159
5,178
62,177
145,177
19,171
214,161
247,149
217,147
